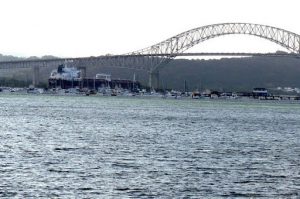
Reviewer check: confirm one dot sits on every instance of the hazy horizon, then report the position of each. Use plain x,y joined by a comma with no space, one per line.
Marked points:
92,28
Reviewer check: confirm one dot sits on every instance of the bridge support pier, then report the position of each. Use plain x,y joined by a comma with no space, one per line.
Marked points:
154,79
35,76
82,75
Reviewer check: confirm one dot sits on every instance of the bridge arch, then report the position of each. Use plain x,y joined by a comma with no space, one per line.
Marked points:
184,41
170,48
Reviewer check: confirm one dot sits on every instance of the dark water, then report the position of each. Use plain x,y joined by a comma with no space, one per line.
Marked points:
106,147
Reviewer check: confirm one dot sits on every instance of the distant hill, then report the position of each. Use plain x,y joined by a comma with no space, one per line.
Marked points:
233,73
9,58
239,74
13,58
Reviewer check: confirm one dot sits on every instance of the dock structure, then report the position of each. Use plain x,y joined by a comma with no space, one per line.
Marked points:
93,83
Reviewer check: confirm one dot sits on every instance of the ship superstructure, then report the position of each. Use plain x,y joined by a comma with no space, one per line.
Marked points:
65,73
70,77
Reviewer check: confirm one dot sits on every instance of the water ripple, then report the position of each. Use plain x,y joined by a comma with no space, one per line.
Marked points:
105,147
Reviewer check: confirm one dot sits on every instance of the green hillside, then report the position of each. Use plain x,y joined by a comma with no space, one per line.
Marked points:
233,73
220,74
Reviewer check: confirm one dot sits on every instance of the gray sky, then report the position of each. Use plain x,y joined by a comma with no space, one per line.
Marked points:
72,28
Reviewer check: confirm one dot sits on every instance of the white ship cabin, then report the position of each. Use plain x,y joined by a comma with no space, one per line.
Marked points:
65,73
103,76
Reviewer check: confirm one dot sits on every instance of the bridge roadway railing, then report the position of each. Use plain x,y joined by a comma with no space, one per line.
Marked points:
138,62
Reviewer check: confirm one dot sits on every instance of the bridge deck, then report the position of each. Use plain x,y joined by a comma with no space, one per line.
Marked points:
46,62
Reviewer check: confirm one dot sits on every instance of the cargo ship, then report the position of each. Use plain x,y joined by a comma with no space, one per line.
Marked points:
70,77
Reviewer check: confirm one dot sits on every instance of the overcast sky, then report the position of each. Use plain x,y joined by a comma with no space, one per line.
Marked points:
72,28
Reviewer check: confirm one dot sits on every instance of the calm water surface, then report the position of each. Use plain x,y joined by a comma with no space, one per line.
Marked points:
107,147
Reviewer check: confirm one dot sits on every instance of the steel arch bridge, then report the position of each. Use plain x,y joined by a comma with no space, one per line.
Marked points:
152,58
180,43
